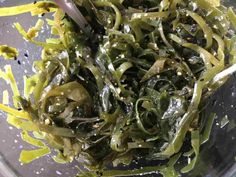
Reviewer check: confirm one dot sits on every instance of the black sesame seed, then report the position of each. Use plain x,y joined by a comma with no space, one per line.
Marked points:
43,14
19,109
26,55
35,2
19,62
201,80
15,58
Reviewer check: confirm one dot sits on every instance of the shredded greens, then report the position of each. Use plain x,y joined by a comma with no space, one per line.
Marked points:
34,8
129,80
8,52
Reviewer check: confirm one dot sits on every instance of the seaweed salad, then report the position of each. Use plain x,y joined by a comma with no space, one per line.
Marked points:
122,80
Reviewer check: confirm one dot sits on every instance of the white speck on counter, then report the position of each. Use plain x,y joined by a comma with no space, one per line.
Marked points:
58,172
10,127
15,141
37,172
25,71
3,140
42,169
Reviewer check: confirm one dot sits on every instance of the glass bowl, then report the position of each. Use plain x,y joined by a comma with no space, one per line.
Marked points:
217,157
